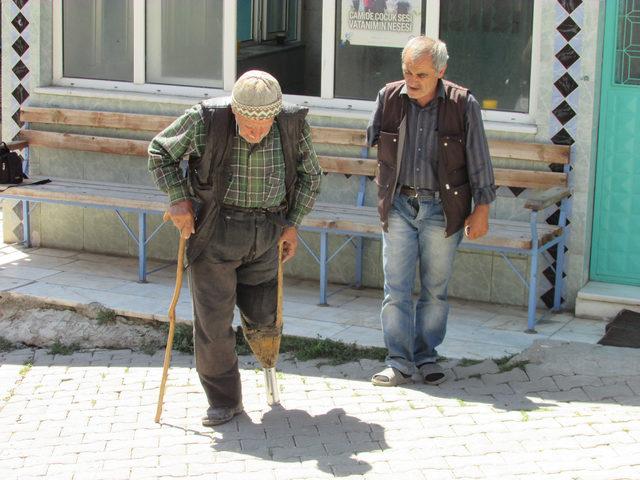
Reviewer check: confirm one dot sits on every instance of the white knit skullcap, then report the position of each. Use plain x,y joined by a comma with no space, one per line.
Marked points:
256,94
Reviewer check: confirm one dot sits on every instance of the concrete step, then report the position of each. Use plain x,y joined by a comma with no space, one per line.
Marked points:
604,300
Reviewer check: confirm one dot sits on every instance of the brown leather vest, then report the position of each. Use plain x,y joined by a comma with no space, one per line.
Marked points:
455,191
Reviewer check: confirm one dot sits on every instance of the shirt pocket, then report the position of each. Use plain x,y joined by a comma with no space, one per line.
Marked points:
453,152
273,186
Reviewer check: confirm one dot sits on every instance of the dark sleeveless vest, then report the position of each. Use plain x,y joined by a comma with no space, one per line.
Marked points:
208,174
455,191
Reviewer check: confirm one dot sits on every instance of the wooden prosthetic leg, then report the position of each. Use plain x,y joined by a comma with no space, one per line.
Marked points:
266,348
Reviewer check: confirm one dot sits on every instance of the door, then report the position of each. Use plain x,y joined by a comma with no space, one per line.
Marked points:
615,253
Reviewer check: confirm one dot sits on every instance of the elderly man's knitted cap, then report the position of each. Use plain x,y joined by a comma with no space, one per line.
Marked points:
256,94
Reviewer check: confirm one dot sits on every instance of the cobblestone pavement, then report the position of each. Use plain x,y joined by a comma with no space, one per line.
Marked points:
567,410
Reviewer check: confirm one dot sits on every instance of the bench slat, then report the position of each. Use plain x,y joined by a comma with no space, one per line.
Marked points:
502,233
536,152
114,195
348,165
342,165
65,116
87,143
529,178
546,153
503,176
339,136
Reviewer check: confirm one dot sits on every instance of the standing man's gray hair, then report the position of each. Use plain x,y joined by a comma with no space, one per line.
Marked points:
422,46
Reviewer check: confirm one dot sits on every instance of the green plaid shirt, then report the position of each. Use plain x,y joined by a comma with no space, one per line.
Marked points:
257,171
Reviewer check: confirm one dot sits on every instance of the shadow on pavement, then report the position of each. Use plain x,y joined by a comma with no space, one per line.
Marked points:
293,436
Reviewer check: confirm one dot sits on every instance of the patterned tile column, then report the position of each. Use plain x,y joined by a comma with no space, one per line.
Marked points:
19,59
16,85
565,98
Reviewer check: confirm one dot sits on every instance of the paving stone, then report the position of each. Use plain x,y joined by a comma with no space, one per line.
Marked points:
545,384
568,382
484,367
608,391
515,375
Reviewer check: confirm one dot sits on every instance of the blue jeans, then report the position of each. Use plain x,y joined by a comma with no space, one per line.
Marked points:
416,236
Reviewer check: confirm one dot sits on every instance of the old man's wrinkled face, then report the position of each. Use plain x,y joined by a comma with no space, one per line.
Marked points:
251,129
421,78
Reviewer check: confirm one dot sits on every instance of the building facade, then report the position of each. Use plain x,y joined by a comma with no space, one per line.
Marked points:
550,71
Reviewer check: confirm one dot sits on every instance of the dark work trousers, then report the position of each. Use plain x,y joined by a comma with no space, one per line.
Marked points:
238,266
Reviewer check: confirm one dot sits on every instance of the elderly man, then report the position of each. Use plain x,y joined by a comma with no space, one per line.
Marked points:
433,160
253,175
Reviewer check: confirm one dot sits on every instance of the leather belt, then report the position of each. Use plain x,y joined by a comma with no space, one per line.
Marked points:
254,211
418,192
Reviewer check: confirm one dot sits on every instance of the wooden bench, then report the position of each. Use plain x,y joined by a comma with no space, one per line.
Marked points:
504,237
356,221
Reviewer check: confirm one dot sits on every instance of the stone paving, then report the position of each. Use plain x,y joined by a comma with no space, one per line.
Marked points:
560,409
564,411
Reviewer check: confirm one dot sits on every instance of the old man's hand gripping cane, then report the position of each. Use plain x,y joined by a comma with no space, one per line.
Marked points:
266,348
172,324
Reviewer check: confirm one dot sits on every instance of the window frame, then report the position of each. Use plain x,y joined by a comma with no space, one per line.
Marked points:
326,99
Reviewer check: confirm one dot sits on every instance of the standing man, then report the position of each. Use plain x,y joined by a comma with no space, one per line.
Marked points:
253,175
433,160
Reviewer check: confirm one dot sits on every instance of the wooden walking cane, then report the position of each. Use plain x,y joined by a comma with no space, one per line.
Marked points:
172,325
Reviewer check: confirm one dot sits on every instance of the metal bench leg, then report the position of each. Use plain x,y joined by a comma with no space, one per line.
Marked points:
26,224
533,291
142,247
324,236
559,282
359,257
533,276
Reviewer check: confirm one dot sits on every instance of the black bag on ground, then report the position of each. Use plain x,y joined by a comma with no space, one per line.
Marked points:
10,166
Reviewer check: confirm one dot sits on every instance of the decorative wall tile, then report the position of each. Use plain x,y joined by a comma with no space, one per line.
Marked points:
20,70
20,22
565,102
570,5
20,46
567,56
568,29
566,84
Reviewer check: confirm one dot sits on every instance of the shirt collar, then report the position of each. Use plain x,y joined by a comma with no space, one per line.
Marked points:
440,87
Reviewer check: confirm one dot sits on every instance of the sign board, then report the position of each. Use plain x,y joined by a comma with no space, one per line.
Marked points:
380,23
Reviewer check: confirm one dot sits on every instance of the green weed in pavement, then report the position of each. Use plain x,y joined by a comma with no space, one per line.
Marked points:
60,349
6,345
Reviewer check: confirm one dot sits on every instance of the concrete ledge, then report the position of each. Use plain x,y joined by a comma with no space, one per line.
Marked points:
604,300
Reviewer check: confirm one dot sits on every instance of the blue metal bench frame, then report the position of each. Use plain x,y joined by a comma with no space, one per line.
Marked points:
141,239
353,238
323,257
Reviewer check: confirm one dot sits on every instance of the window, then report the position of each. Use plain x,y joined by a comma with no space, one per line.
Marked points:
489,45
365,58
264,20
171,42
98,39
325,53
176,55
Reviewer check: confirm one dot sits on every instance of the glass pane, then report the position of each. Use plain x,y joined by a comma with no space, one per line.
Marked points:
489,43
184,42
628,45
276,10
363,67
296,64
98,39
245,20
292,20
